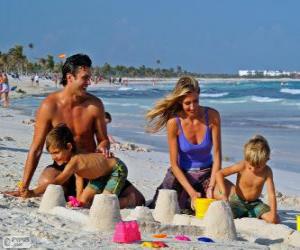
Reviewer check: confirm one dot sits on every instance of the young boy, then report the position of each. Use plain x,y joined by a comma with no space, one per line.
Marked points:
105,175
252,174
108,120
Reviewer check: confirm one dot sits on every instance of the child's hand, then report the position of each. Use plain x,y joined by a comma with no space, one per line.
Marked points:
224,197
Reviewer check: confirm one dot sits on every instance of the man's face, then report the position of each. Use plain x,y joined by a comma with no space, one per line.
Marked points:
82,78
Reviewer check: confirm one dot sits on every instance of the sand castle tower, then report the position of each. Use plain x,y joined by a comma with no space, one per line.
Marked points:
218,221
53,196
104,213
166,206
141,213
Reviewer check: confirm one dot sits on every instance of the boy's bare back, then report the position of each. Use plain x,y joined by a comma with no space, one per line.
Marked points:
92,166
250,181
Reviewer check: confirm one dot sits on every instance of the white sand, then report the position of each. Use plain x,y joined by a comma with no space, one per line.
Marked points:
146,171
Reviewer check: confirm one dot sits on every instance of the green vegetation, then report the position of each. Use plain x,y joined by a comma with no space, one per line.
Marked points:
16,61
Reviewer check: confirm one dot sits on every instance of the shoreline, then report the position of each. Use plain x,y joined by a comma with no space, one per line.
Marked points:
47,86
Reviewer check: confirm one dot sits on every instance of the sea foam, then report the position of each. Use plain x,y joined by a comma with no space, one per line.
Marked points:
290,91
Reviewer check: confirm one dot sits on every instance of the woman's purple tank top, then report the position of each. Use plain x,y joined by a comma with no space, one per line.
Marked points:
195,156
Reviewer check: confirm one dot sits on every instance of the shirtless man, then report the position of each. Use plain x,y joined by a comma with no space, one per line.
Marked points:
82,112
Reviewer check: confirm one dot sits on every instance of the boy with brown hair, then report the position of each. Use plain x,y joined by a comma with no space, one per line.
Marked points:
105,175
252,174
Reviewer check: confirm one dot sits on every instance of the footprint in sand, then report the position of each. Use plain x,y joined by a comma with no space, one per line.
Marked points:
28,121
7,116
8,138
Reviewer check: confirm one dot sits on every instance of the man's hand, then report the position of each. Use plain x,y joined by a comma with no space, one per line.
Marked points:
15,193
27,194
105,151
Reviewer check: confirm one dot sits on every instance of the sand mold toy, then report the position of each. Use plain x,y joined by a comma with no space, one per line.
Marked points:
182,238
127,232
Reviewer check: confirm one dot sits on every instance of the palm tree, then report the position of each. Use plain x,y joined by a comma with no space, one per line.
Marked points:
16,58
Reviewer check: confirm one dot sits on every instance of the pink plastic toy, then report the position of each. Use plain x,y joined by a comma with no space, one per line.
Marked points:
127,232
182,237
74,202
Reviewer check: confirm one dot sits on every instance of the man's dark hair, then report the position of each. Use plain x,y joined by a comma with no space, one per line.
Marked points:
72,64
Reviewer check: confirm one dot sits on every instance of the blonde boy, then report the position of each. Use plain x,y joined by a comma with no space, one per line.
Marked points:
252,174
105,175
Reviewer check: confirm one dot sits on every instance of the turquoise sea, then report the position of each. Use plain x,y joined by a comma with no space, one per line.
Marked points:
247,108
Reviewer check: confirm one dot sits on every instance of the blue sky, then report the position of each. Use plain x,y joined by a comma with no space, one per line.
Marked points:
213,36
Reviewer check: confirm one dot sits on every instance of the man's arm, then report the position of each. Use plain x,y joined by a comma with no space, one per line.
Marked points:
101,130
221,174
41,129
271,195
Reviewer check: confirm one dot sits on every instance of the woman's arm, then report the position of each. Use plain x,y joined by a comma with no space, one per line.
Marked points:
172,132
217,149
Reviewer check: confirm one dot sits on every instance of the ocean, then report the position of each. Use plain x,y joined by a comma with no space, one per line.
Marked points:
271,109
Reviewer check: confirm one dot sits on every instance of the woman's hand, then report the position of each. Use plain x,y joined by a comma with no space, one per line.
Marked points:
209,192
194,196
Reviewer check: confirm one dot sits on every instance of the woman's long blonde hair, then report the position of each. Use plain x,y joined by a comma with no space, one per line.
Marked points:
170,105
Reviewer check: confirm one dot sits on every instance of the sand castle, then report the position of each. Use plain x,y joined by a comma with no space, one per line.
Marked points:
166,206
218,221
53,196
141,214
104,213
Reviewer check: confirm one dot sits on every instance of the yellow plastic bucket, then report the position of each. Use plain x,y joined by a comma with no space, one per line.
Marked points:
201,206
298,222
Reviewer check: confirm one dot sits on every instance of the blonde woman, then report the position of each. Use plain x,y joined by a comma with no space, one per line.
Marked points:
194,138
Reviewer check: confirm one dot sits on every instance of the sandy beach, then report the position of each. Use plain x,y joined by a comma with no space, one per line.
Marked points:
146,170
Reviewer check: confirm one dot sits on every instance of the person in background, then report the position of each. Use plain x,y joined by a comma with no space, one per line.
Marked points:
5,90
108,120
